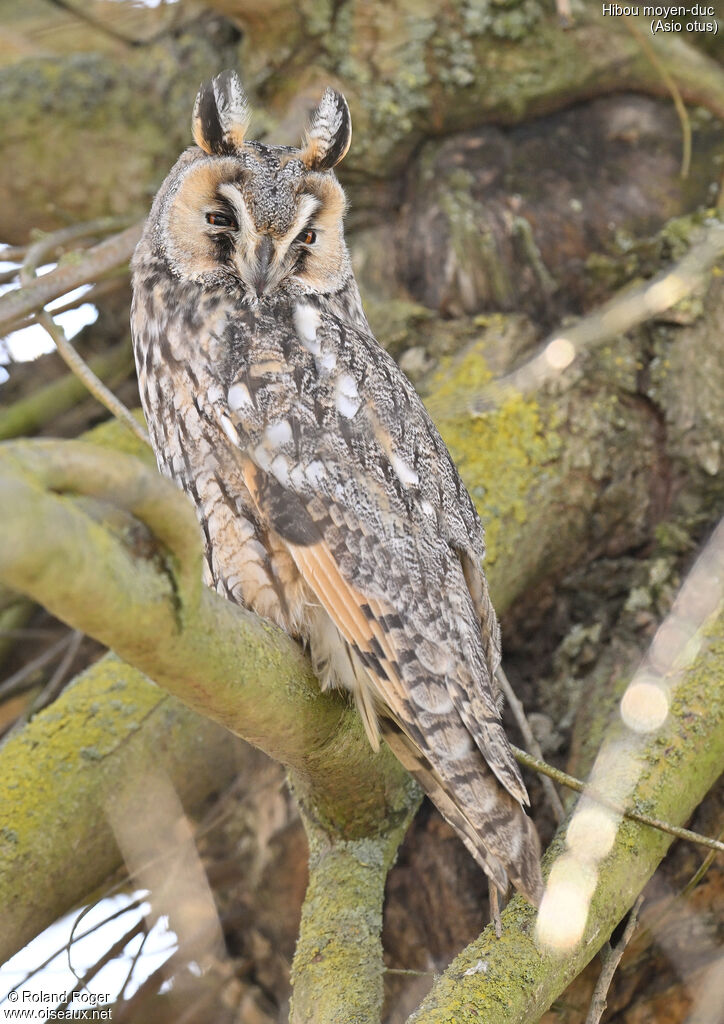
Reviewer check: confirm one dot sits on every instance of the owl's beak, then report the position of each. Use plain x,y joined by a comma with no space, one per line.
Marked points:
264,253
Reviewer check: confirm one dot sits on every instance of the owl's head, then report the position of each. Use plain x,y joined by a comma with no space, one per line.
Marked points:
261,218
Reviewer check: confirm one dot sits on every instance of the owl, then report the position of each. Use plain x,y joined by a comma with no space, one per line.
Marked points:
327,499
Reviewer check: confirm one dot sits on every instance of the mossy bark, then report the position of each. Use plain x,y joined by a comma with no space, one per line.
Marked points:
105,127
59,775
512,980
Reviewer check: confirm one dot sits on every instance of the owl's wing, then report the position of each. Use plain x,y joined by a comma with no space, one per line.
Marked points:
342,462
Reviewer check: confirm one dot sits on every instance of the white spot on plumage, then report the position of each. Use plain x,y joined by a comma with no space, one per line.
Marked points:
306,322
459,747
280,469
347,397
427,508
326,362
278,433
229,429
215,394
433,697
238,397
406,474
315,472
262,457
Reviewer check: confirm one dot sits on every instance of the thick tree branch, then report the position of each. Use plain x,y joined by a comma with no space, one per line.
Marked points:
338,969
221,661
59,774
513,980
218,658
94,263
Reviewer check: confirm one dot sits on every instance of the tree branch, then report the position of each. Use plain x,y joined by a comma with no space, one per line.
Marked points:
58,774
215,656
338,968
96,261
513,980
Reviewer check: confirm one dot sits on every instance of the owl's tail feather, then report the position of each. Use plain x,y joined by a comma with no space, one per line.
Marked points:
502,839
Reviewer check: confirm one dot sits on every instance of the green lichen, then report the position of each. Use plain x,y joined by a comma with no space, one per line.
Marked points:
501,455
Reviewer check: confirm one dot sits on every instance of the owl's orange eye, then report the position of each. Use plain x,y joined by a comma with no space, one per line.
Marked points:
220,220
307,237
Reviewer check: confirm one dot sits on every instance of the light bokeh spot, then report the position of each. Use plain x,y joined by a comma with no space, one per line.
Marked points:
592,832
564,908
560,353
644,706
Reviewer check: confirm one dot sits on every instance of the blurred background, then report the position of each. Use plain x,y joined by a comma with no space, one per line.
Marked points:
518,173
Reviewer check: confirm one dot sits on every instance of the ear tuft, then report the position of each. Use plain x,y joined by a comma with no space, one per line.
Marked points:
221,115
329,133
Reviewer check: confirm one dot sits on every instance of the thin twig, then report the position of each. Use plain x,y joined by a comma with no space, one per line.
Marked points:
72,359
611,960
51,689
110,954
13,253
673,88
28,634
410,972
112,252
524,725
563,779
654,923
22,680
89,931
109,30
134,964
7,276
49,243
55,684
94,384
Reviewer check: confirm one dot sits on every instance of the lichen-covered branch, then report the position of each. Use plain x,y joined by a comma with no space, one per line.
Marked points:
61,771
512,980
219,659
338,969
90,266
215,656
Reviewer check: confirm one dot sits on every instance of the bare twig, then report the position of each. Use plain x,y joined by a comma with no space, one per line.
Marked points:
653,925
107,255
89,931
55,684
50,243
110,30
564,779
611,960
13,253
94,384
6,276
23,679
110,954
673,88
524,725
134,964
68,353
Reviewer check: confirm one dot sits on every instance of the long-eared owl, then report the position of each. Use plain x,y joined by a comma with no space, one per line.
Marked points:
327,499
